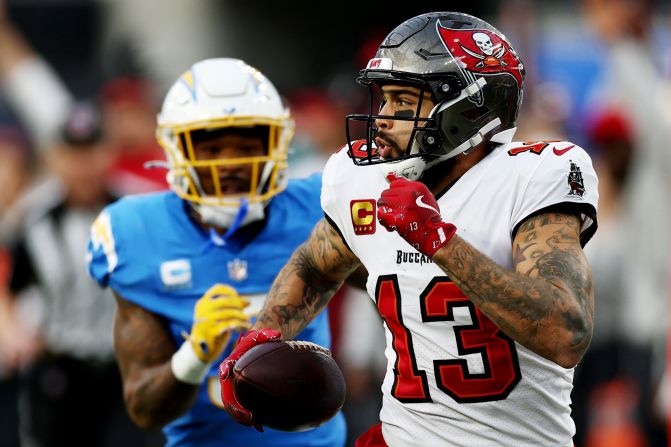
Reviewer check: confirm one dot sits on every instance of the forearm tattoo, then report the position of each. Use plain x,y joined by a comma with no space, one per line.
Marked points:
551,291
143,348
308,281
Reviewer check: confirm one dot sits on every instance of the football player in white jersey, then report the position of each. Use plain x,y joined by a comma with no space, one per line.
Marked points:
472,242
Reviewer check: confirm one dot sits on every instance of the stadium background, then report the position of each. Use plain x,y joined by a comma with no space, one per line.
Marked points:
312,52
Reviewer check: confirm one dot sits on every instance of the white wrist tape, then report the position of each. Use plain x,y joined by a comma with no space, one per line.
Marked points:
187,367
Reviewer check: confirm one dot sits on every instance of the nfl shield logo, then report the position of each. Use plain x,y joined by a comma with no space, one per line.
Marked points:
237,270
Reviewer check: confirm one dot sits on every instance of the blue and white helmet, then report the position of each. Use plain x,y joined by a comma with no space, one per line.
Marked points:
224,93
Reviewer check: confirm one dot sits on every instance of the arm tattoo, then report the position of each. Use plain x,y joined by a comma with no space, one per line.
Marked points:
308,281
548,296
144,349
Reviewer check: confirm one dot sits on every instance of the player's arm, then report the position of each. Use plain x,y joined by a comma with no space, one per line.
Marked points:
160,383
313,274
144,349
307,282
547,303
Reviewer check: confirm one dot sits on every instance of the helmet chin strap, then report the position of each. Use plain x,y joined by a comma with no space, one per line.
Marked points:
230,218
413,168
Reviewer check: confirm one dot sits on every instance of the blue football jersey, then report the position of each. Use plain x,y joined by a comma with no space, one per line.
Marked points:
149,250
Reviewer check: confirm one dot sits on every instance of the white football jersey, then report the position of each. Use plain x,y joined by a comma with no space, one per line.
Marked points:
453,378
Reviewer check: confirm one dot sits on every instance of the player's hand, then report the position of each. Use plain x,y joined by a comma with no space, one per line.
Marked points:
215,316
231,404
410,209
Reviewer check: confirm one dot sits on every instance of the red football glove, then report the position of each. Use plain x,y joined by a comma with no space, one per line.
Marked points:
245,343
410,208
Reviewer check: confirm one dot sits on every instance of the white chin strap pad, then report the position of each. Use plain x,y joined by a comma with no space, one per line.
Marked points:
225,216
411,168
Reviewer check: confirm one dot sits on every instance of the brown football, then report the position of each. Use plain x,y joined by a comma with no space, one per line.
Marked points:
289,385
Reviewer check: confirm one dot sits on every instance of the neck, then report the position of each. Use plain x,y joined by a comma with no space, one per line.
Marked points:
439,177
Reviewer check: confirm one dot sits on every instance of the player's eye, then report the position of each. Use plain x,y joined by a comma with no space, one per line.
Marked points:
207,152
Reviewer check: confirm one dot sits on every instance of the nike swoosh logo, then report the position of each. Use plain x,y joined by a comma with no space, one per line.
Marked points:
421,203
563,151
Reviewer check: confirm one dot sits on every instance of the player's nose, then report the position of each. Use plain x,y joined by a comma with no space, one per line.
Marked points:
385,123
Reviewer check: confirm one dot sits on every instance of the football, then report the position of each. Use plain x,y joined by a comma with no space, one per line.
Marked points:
289,385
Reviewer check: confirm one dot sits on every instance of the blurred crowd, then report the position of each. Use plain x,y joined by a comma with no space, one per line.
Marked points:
599,75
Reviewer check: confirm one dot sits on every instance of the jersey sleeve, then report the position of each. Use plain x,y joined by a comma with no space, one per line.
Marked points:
334,176
102,258
562,181
116,236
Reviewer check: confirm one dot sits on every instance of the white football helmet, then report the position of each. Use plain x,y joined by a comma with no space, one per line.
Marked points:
224,93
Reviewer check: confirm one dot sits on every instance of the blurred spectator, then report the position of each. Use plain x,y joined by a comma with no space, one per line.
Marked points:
129,113
15,168
612,142
544,116
320,128
30,85
9,396
607,406
41,100
612,139
71,388
16,165
636,86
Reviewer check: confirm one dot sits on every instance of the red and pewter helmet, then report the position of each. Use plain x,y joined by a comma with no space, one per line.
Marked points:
474,78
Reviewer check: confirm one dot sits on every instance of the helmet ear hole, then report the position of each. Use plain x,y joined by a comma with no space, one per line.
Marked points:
429,140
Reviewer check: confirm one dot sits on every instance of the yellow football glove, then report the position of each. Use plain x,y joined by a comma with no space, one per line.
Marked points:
215,315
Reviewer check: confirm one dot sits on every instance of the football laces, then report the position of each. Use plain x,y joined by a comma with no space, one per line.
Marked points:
299,345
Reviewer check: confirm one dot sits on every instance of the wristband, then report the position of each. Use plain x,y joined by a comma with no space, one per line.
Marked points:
187,367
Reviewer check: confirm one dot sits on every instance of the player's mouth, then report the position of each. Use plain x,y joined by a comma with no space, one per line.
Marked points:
234,184
386,149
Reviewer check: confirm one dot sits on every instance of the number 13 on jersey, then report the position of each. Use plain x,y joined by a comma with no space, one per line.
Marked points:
437,303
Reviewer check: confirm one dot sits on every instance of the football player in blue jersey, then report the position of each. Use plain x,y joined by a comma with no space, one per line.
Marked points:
191,266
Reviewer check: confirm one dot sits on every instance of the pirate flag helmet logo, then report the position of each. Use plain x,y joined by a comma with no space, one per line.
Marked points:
482,51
